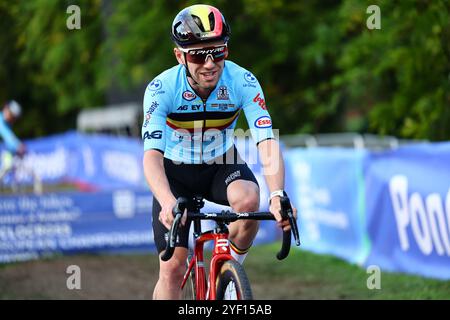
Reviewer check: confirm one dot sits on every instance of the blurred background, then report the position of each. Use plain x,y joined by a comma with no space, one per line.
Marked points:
364,118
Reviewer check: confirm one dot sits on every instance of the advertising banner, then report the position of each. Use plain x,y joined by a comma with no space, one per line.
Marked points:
408,209
327,187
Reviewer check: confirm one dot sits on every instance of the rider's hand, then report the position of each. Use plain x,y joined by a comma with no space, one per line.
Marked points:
166,214
275,209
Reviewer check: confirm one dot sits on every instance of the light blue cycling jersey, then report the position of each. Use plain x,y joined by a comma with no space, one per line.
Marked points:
191,130
11,141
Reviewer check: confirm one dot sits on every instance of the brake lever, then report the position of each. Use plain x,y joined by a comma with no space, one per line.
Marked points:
286,209
177,212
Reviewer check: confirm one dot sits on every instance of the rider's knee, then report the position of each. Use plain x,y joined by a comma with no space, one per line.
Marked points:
172,271
247,202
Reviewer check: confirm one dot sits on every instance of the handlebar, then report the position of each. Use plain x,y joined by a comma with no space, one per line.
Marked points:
227,216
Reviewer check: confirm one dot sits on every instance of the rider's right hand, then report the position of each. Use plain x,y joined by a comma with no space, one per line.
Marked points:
166,215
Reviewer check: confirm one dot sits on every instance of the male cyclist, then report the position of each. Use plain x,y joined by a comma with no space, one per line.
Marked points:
10,113
189,112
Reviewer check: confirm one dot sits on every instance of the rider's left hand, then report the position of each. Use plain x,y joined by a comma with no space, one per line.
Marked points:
275,209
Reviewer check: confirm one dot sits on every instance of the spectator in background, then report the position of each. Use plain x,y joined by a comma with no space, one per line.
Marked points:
10,113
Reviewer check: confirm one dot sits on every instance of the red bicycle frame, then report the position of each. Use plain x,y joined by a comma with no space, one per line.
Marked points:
220,254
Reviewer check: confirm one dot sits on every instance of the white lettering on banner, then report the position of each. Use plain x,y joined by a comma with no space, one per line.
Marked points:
111,239
51,165
312,201
7,205
124,204
122,166
88,160
18,257
427,220
30,231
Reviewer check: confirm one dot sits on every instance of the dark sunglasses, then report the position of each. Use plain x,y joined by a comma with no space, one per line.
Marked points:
199,55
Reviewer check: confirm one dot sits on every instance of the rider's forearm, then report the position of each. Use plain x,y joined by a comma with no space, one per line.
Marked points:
156,177
273,164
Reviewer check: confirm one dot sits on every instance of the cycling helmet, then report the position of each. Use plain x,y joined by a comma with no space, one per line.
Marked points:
15,108
199,23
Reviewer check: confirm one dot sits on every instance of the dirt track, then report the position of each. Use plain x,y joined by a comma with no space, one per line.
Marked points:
102,277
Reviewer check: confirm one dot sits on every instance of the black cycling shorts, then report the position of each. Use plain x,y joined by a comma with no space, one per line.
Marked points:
207,180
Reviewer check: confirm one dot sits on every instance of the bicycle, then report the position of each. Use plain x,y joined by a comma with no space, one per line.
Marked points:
226,275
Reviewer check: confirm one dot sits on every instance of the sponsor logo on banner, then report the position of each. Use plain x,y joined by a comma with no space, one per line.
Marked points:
263,122
124,204
424,216
260,101
188,95
222,93
122,166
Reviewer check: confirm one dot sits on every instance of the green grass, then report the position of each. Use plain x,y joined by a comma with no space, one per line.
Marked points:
304,275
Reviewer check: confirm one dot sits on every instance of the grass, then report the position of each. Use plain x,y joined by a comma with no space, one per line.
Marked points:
304,275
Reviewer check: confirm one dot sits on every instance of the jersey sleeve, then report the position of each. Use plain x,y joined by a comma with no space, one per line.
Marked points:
156,108
11,141
255,109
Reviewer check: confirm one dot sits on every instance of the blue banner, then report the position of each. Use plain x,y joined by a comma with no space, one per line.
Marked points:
33,226
327,187
408,209
103,162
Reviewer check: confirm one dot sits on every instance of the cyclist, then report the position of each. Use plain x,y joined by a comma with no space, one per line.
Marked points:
10,113
189,112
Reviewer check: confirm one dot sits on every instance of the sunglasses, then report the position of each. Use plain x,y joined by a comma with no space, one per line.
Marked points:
199,55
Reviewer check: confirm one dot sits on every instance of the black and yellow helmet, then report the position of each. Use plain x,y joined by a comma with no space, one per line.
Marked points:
198,24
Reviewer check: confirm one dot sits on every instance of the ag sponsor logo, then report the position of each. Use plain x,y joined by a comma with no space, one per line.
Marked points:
157,134
188,95
185,107
155,85
258,99
263,122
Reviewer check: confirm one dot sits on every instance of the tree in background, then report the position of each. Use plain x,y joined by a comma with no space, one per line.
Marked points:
322,69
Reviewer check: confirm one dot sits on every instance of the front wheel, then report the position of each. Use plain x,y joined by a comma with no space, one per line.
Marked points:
232,282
